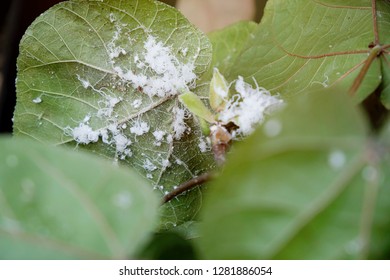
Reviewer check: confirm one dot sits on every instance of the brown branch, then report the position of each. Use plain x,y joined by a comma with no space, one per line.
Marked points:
375,22
350,71
386,46
375,51
186,186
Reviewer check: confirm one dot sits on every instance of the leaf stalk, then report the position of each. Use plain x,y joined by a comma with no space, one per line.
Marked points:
374,53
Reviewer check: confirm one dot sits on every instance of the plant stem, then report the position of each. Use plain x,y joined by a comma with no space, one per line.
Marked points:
375,51
186,186
375,22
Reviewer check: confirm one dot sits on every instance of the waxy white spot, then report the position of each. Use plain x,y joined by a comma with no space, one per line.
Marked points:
122,200
37,100
272,128
337,159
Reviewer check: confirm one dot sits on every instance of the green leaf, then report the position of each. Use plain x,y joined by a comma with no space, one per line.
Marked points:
380,249
104,76
385,86
228,44
384,26
168,246
193,103
316,44
59,204
304,186
219,91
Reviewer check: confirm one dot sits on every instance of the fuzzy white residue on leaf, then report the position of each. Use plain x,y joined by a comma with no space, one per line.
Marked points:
84,134
221,92
248,107
136,103
159,136
121,144
108,106
111,135
203,145
166,75
149,166
86,84
179,125
165,163
139,128
184,51
115,51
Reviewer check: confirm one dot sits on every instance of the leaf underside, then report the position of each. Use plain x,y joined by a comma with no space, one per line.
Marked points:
311,44
74,76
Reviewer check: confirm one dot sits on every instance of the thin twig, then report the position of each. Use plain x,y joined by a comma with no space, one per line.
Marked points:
190,184
375,22
375,51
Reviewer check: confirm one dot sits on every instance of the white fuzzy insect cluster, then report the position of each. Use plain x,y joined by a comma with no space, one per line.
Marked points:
165,74
179,125
111,135
159,136
248,107
203,145
139,128
84,134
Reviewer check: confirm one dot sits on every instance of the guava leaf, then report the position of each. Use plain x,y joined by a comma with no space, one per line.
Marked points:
314,44
385,86
306,185
104,76
59,204
193,103
228,44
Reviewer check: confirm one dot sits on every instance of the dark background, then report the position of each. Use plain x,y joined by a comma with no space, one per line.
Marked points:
15,17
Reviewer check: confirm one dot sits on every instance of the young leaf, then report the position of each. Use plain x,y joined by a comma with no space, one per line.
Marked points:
304,186
219,91
58,204
317,44
104,76
193,103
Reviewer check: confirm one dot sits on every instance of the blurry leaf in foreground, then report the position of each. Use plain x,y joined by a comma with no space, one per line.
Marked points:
59,204
306,185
